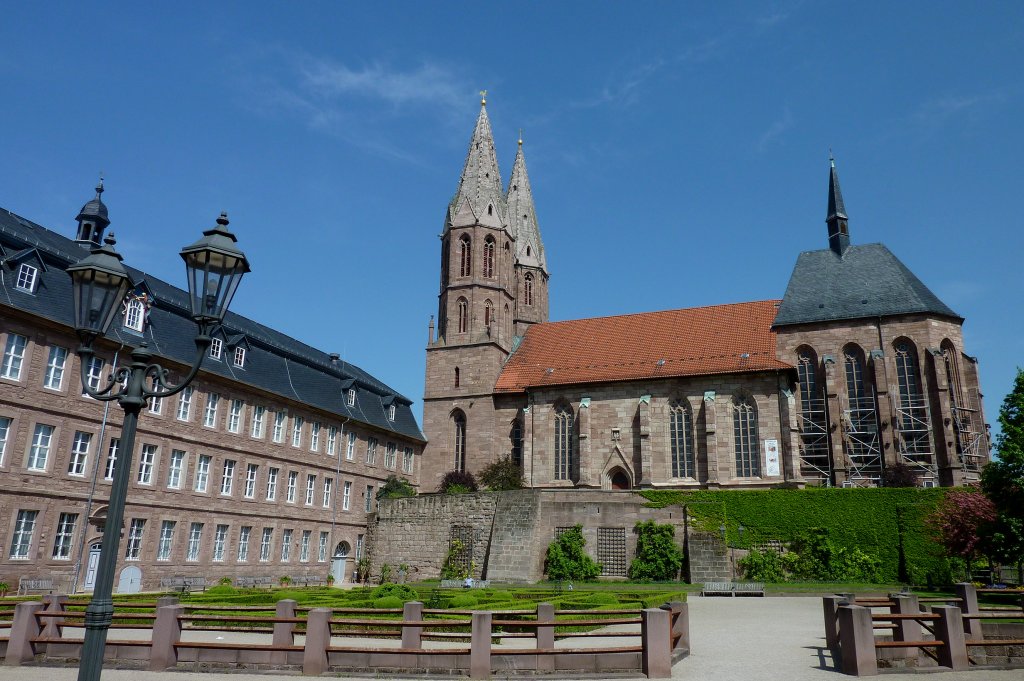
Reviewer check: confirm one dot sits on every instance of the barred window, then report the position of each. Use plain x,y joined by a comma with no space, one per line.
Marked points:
744,417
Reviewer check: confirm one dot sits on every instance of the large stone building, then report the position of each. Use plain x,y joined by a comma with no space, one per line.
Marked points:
266,466
858,368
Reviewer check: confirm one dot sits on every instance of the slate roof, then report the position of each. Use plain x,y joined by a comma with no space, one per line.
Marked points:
523,216
719,339
480,182
274,361
866,281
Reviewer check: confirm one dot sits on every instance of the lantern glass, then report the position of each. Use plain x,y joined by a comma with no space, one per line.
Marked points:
99,285
212,280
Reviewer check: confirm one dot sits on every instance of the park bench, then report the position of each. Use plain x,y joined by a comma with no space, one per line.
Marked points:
254,582
717,589
749,589
309,580
183,584
461,583
26,586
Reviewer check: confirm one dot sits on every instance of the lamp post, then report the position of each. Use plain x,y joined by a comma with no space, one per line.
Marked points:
215,266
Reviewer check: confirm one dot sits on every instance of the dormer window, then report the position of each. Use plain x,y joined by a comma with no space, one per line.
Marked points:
240,357
350,397
216,348
391,412
134,314
27,278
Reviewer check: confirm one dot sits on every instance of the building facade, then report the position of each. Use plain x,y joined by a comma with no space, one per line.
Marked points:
858,368
266,466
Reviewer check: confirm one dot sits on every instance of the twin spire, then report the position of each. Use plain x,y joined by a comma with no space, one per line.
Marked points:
836,219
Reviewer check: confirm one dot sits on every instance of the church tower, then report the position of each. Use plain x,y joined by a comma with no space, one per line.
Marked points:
477,315
531,269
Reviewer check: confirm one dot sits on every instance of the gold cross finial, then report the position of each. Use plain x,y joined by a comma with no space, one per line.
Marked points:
483,98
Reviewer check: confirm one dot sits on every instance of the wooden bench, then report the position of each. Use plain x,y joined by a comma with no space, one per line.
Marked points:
309,580
749,589
254,582
26,586
183,584
461,584
717,589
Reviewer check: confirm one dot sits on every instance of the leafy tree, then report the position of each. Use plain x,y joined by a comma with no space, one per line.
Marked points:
657,556
813,555
899,474
395,488
457,482
962,521
763,566
502,474
1003,480
566,558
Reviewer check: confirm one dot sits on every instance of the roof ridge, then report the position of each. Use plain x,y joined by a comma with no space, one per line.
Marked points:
652,312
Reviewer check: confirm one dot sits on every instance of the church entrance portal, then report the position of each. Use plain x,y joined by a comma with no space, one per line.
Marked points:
619,479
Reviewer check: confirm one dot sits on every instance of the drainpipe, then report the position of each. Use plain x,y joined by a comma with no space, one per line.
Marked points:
338,484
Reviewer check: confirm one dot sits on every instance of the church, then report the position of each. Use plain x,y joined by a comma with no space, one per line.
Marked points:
857,369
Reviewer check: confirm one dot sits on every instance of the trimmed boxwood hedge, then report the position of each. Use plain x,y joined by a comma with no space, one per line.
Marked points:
886,522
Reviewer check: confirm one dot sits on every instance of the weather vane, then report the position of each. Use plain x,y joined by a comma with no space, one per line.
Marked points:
483,97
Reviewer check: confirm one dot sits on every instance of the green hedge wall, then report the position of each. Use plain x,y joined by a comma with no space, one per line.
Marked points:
885,522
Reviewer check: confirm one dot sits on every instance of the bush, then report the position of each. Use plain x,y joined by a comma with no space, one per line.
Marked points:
657,556
503,474
463,601
818,558
457,482
600,598
763,566
567,560
399,591
388,603
899,474
396,488
222,590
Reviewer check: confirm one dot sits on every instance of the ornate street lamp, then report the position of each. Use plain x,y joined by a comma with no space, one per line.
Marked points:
215,266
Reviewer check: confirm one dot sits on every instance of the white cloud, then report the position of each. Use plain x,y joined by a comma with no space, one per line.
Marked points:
778,127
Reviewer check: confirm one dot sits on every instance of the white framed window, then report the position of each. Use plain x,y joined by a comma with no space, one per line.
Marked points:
239,360
27,277
360,541
65,537
350,451
163,547
54,377
328,488
134,315
195,539
175,469
346,496
243,543
321,549
94,373
5,434
286,545
14,356
350,397
250,480
227,480
314,437
332,440
202,473
407,459
268,536
310,489
108,470
272,484
391,456
216,348
297,423
293,479
133,548
156,405
391,412
279,419
39,452
304,546
235,416
146,461
369,498
79,453
220,539
21,541
185,404
371,451
259,416
210,415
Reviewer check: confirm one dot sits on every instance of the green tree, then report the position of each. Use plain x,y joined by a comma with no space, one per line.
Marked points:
1003,480
657,556
566,558
502,474
396,488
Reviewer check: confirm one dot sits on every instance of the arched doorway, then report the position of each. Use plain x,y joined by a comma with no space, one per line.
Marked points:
619,479
90,567
339,562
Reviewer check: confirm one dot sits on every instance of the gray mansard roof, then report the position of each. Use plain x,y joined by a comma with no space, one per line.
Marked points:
865,281
274,361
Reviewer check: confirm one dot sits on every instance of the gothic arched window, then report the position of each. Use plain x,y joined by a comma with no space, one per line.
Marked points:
744,419
515,435
912,412
528,289
564,455
489,258
463,315
465,256
457,377
681,439
860,426
508,323
459,440
488,313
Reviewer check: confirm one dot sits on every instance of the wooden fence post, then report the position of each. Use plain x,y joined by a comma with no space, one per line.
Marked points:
284,632
906,630
857,641
24,628
166,632
480,646
412,637
656,637
968,595
318,639
949,629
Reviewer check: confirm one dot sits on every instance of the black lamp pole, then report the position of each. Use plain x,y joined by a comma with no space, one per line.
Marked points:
215,266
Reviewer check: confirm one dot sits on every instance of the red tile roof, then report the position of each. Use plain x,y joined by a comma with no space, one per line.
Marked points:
699,341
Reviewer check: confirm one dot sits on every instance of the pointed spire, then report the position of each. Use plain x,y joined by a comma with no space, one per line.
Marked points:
523,215
838,235
480,184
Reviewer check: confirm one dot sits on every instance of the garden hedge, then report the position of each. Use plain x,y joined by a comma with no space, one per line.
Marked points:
886,522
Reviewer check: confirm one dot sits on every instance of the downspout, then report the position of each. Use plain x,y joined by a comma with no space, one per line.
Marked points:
338,484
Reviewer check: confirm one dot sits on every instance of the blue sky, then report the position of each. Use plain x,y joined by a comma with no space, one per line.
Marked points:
678,151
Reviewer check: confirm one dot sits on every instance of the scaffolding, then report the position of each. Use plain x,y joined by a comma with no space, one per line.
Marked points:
863,445
815,455
913,424
968,440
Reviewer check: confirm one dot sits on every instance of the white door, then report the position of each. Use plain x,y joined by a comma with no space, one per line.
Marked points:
90,570
339,562
130,581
